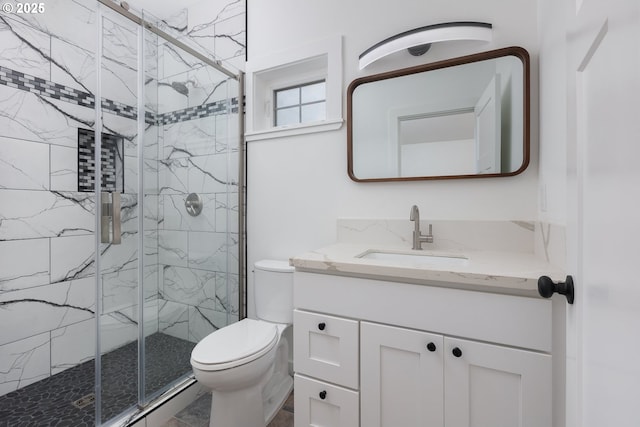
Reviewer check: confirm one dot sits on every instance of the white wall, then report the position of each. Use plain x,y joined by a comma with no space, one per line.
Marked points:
298,186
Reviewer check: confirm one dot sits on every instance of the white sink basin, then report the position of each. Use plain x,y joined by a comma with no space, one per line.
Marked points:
414,258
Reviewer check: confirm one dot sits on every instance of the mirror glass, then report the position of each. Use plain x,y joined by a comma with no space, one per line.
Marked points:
460,118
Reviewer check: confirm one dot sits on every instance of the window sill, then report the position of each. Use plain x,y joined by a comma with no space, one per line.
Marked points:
292,130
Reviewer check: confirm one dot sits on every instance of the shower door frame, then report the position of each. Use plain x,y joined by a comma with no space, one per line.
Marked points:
142,25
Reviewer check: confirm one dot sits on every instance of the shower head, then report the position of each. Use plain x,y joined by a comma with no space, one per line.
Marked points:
181,88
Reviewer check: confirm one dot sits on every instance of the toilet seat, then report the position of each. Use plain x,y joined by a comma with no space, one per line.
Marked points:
234,345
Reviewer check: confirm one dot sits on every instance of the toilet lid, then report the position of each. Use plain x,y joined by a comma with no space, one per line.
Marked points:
239,342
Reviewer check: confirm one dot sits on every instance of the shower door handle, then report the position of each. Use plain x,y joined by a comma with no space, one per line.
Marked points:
110,216
117,224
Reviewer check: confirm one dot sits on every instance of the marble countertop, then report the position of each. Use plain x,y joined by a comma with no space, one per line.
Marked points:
514,273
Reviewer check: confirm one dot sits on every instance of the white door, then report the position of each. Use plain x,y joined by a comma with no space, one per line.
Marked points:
400,377
489,385
488,128
603,226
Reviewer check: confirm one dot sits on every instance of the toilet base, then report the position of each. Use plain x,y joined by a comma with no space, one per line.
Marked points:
275,394
257,407
240,408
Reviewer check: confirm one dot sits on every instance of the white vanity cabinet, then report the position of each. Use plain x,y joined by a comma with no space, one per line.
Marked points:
424,355
414,378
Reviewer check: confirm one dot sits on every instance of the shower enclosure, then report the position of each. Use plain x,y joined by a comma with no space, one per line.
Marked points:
120,240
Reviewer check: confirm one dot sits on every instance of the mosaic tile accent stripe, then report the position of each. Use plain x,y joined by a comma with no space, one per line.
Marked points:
37,85
199,111
120,109
18,80
150,118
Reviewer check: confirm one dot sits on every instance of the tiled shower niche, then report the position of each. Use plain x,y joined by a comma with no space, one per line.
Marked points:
112,159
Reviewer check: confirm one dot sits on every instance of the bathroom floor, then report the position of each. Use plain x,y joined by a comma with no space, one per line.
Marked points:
50,402
197,414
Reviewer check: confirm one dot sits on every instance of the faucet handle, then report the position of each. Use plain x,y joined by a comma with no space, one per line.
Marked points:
429,236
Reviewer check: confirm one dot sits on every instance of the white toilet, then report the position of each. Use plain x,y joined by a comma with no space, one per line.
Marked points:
246,364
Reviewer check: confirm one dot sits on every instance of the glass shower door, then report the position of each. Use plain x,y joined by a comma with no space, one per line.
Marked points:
191,140
167,227
116,154
166,349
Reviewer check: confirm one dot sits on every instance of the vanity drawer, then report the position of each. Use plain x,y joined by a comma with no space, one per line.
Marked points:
320,404
326,347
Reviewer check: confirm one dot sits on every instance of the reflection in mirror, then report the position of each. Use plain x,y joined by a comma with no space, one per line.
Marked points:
460,118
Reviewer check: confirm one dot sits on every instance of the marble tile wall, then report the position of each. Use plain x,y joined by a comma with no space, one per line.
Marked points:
197,116
47,262
47,269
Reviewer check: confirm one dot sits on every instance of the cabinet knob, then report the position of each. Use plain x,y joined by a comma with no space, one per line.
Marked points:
322,325
457,352
431,347
323,394
546,287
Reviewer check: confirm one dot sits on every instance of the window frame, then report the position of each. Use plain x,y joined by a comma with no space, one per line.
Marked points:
300,103
319,60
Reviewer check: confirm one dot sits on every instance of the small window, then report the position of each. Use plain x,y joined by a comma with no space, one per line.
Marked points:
300,104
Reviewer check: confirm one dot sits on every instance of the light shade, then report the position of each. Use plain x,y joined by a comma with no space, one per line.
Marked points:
419,40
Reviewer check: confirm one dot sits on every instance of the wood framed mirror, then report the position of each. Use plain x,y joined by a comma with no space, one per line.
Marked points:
465,117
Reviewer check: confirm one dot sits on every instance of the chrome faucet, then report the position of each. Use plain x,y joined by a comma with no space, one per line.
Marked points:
418,238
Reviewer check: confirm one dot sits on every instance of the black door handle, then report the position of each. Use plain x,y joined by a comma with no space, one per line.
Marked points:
546,288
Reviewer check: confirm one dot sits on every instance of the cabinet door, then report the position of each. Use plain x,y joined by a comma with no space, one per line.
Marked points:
326,347
400,377
320,404
494,386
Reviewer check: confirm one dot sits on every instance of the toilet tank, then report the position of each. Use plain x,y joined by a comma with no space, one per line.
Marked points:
273,287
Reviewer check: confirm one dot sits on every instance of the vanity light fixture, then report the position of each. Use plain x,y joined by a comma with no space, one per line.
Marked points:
419,40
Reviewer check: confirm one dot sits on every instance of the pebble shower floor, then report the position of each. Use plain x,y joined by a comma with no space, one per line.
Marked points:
58,400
